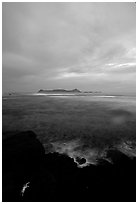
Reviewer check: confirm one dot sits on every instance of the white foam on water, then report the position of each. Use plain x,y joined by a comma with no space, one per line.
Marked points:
75,151
127,148
26,185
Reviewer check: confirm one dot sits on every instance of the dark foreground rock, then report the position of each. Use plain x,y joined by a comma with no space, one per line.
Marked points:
55,177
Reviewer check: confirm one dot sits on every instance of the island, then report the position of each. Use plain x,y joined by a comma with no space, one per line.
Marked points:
64,91
59,91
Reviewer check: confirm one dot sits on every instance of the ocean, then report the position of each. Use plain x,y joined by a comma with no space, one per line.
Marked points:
80,126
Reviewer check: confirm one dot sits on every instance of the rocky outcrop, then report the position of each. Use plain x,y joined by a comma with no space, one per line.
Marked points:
22,159
31,175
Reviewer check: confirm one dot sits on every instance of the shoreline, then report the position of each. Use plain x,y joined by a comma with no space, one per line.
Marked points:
31,175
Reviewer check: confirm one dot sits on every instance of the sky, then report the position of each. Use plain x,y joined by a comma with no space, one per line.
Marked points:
89,46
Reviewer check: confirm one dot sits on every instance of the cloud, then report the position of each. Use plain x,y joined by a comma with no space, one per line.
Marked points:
53,41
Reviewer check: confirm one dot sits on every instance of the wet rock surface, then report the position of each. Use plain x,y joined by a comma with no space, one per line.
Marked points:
80,161
31,175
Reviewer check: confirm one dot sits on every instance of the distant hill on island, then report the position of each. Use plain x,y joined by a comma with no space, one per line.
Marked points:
62,91
59,91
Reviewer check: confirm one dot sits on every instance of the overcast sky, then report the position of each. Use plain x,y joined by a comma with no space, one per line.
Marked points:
89,46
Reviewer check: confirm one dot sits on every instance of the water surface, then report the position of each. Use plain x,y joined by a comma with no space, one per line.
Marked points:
80,126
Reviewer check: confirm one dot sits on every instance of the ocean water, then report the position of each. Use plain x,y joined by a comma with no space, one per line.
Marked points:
84,127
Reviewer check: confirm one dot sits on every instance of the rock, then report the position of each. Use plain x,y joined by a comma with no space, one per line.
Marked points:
30,175
80,161
23,157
